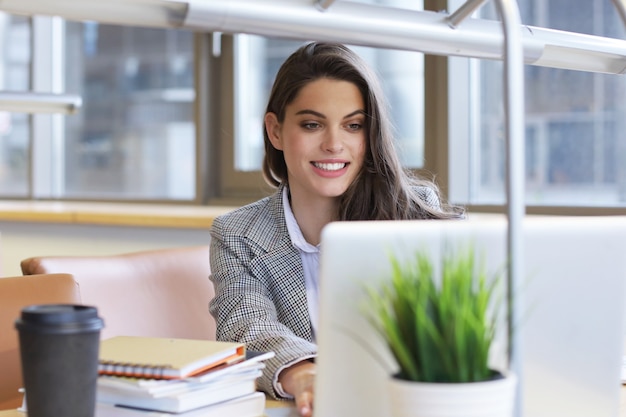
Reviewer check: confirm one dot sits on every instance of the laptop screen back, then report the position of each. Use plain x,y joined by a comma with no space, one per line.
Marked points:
571,295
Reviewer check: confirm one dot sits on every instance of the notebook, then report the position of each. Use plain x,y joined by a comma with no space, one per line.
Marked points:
250,405
164,358
571,333
182,400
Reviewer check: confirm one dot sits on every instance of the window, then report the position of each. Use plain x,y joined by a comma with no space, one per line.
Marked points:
575,152
134,137
15,38
137,135
142,134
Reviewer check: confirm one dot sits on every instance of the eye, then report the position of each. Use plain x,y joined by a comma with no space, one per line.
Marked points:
311,125
355,126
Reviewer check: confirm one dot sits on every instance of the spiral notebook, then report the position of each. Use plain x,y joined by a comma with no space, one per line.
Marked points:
164,358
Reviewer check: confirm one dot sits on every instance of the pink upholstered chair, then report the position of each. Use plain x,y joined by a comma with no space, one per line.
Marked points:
16,293
162,293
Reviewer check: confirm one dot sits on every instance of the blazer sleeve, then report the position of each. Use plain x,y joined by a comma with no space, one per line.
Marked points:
252,307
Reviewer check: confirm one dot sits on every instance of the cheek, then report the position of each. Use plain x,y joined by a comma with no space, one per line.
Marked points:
361,149
292,145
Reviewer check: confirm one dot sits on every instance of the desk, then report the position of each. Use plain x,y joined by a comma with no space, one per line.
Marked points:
277,404
269,404
274,404
276,408
15,413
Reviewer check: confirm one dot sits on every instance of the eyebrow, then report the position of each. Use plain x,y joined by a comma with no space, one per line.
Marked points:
320,115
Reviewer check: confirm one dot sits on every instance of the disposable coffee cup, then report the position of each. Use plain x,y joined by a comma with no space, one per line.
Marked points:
59,346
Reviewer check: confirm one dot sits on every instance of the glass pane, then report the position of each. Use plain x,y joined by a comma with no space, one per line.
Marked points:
574,154
15,61
257,60
134,138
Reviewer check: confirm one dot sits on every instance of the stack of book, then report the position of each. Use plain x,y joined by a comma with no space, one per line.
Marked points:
194,378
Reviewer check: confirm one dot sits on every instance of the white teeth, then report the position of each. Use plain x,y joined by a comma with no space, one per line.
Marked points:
329,167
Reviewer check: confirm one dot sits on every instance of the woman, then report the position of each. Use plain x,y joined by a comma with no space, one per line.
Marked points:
329,152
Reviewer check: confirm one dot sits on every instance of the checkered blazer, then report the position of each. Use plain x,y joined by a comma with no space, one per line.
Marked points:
260,294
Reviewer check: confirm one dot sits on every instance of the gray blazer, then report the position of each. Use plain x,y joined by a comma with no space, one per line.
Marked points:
260,294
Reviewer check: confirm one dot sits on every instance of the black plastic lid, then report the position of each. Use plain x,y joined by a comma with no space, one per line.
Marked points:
59,319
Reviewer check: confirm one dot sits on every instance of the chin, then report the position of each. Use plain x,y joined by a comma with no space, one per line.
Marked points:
333,192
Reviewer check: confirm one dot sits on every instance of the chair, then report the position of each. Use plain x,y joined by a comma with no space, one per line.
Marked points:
16,293
158,293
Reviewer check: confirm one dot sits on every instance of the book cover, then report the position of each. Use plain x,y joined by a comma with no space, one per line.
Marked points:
251,405
164,358
252,363
253,360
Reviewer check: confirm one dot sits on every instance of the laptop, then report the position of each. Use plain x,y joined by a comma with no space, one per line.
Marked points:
571,295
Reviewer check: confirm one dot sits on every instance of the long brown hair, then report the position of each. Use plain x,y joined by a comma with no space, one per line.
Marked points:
383,190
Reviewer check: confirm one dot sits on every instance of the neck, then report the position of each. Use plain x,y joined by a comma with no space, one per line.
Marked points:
312,215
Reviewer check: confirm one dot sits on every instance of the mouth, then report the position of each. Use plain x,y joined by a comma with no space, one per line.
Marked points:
334,166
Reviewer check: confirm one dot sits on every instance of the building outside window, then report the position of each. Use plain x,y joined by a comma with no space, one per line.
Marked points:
134,137
137,136
15,61
575,148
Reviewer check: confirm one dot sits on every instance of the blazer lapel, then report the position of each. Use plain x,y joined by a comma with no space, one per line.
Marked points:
281,267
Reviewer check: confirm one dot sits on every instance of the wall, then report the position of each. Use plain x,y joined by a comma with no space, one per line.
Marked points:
20,240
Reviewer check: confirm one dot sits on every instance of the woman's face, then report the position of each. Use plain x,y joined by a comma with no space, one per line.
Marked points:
322,138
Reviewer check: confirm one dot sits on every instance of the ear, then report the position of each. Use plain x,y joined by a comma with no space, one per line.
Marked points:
272,127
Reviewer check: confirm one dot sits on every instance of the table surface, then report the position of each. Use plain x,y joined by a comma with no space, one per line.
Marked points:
269,404
283,404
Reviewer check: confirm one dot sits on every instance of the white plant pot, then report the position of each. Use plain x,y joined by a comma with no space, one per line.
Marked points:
494,398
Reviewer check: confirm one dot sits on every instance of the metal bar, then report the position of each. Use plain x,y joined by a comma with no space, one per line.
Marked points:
466,10
148,13
388,27
515,158
31,102
347,22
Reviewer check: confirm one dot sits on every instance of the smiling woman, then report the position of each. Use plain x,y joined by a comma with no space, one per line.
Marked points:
330,153
322,138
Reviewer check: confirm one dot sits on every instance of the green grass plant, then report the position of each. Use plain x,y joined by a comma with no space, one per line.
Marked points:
438,328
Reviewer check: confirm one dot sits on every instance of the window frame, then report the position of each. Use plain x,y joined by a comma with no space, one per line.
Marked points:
460,102
447,147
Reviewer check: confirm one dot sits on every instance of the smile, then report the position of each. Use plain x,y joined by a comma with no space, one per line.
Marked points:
335,166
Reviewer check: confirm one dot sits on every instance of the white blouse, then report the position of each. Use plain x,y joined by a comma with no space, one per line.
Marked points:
310,260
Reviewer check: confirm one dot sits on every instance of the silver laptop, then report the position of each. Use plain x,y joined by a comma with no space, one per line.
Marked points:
571,333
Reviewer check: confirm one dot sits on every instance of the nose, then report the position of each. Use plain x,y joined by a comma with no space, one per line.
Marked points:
332,141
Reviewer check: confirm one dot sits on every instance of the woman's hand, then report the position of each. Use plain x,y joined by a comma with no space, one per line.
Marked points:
298,380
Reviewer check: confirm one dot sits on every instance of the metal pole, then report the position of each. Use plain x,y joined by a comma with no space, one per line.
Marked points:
463,12
620,5
621,8
514,116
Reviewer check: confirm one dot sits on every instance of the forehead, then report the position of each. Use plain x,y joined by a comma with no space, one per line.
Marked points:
325,91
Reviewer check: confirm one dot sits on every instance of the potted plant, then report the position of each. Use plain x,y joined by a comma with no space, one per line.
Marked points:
440,325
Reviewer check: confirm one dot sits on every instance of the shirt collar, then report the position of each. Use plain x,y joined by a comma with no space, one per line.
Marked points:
295,234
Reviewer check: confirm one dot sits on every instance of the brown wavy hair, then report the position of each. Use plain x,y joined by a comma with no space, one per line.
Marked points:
384,189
